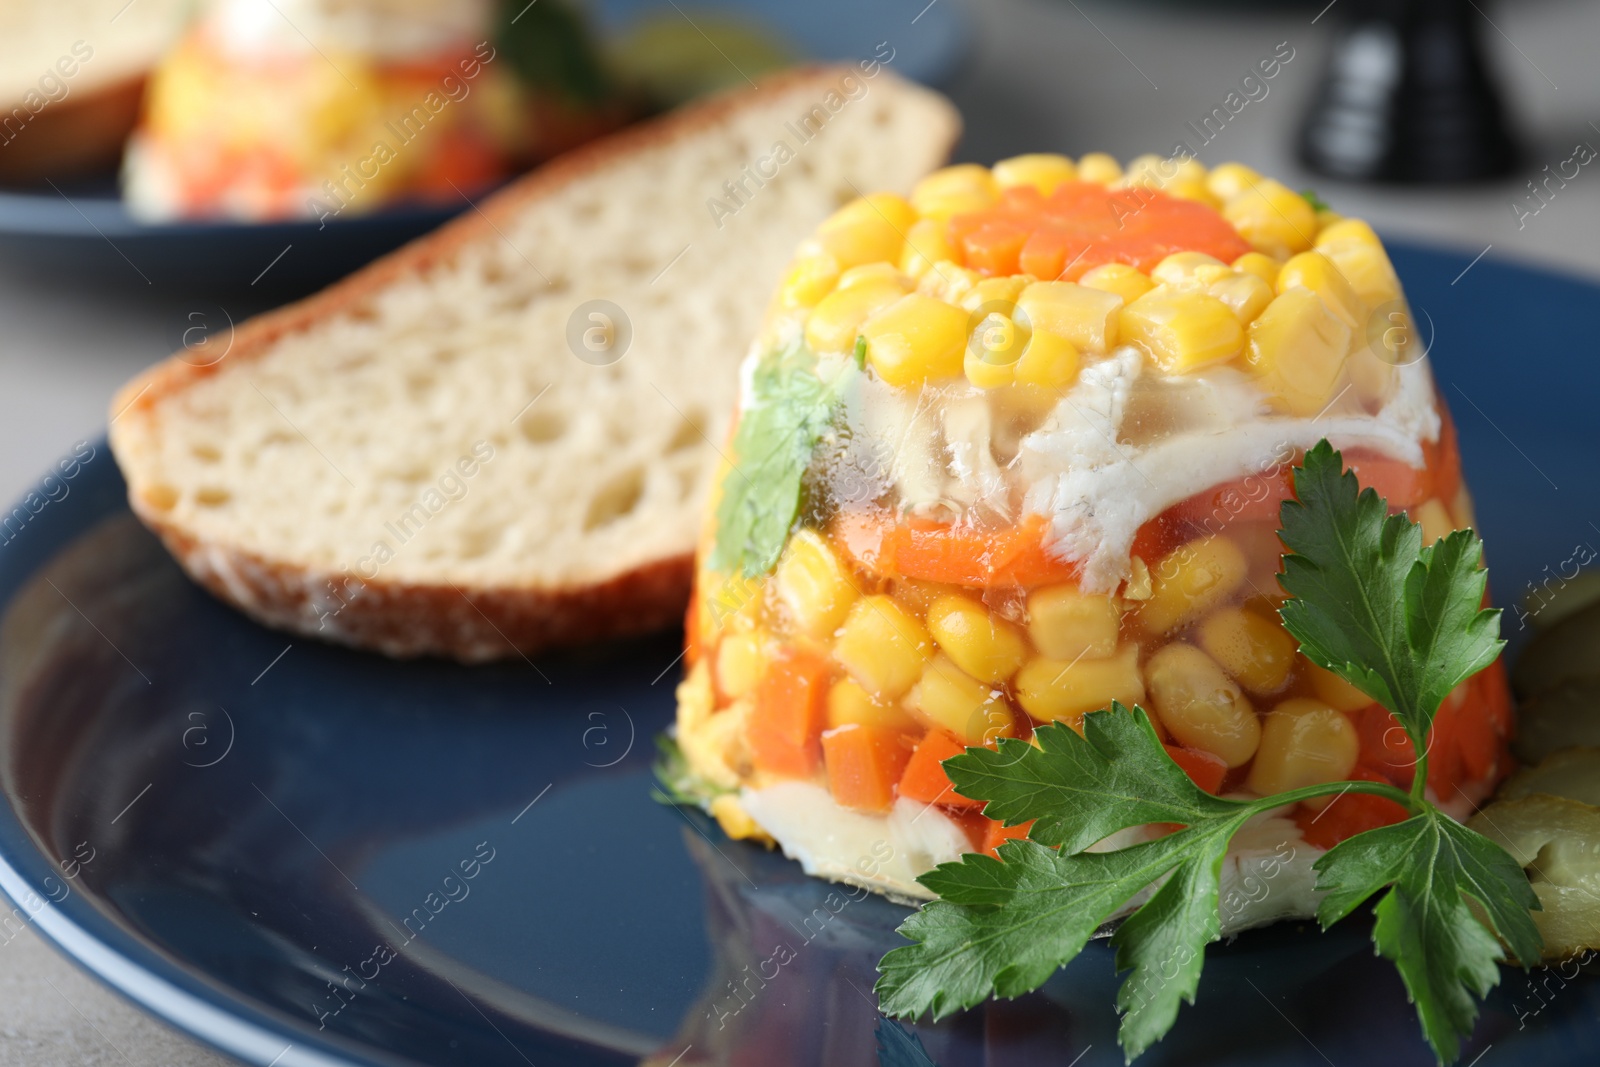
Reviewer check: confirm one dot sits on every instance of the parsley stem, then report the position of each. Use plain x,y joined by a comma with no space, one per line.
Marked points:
1310,792
1419,781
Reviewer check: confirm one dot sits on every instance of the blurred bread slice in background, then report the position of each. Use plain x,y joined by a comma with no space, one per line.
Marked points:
72,75
456,451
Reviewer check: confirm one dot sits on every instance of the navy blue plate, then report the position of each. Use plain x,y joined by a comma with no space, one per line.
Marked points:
83,230
306,855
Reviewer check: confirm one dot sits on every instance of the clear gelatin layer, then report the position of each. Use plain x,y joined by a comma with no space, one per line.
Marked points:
1012,449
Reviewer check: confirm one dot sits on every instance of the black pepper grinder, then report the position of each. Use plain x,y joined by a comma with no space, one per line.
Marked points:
1408,97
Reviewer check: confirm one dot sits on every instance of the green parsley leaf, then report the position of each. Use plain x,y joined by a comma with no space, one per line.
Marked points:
1080,790
1004,928
1432,865
676,781
1163,943
1402,623
790,409
1316,202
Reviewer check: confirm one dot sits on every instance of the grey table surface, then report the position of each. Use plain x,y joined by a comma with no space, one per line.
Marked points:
1043,75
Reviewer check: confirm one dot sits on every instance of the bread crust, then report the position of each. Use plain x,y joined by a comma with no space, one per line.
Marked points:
401,618
408,619
79,135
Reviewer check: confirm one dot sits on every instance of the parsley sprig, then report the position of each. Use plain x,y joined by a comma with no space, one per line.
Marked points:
789,408
1403,623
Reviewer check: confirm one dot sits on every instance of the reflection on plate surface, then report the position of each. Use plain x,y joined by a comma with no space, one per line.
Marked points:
278,844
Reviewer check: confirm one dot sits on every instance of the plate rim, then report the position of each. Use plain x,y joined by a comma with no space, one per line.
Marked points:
147,977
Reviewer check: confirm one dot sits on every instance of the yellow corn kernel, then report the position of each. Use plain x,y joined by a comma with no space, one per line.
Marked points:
955,191
1126,281
1372,376
986,647
739,664
1182,331
733,602
1228,180
870,229
834,323
1041,170
1273,218
1191,580
1181,266
1348,230
1327,217
917,595
889,208
948,205
992,349
1191,190
1049,361
1151,171
851,705
1188,169
916,338
1366,267
1254,649
1303,742
1315,271
927,243
1067,690
1099,167
948,698
1264,267
948,282
1065,624
1298,348
1148,171
1390,338
1435,520
874,272
1086,317
813,585
882,646
1245,293
735,821
1334,690
1200,706
810,279
996,294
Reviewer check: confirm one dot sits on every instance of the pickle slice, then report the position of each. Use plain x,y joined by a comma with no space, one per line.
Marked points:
1557,840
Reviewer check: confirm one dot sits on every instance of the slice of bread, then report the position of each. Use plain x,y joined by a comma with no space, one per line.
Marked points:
72,74
454,451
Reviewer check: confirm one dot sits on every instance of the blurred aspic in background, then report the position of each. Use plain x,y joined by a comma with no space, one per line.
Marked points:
406,99
268,110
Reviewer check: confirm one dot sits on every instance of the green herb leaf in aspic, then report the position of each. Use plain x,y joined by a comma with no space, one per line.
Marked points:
1402,623
1405,624
1002,927
787,410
